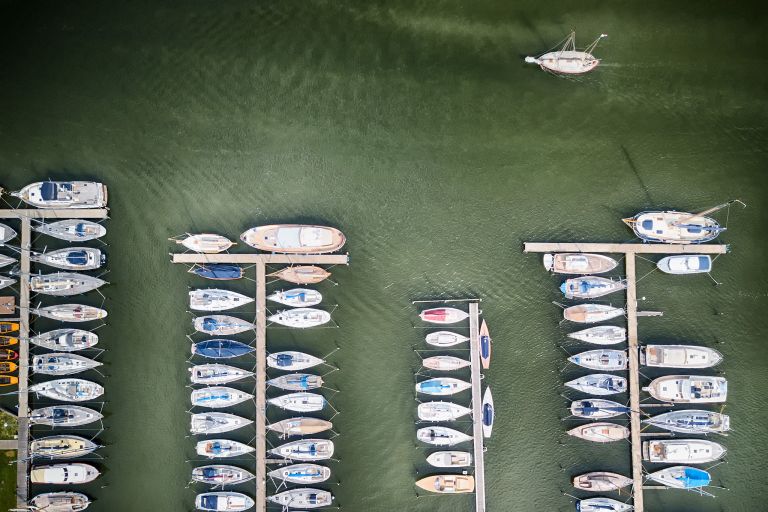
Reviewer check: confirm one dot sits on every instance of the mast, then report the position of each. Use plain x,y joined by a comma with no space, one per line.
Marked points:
708,211
589,49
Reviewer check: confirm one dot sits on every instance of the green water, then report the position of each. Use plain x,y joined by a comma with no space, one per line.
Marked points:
416,129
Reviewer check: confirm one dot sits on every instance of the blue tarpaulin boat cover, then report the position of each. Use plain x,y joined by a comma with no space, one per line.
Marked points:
693,478
48,191
487,415
218,271
209,501
77,257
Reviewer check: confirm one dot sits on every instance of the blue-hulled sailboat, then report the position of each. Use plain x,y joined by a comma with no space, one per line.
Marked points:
218,271
221,349
485,346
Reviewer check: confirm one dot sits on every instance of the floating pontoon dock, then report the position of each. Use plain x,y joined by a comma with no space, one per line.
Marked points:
477,406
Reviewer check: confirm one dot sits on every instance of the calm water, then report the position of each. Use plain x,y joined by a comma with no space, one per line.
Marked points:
416,128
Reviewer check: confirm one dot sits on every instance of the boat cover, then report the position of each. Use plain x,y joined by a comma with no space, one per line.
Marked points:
487,414
77,258
219,271
81,229
284,360
49,190
693,478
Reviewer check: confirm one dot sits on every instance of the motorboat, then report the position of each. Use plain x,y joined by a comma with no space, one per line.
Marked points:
64,416
8,367
299,402
673,227
692,422
450,459
682,451
297,382
601,359
294,239
681,477
301,473
221,475
441,436
207,243
601,481
441,411
62,363
223,501
63,284
485,346
579,263
302,498
64,194
63,474
599,384
70,313
212,299
305,450
685,264
444,363
679,356
62,447
300,426
66,340
600,432
591,313
71,258
688,389
292,361
216,422
602,505
60,502
222,325
567,59
597,408
301,318
217,397
445,339
601,335
216,374
447,484
442,386
488,413
302,274
6,234
221,348
591,287
222,448
6,260
443,315
68,390
297,297
72,230
217,271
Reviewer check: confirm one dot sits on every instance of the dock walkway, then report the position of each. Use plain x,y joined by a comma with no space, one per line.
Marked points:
477,405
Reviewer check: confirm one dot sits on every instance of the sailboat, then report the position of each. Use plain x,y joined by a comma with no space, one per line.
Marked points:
673,227
568,60
72,230
71,258
206,243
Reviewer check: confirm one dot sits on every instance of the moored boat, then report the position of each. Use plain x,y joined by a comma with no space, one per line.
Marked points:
441,436
292,361
299,402
63,284
601,335
591,287
302,498
217,397
296,382
6,233
600,432
8,327
62,363
64,194
302,473
597,408
568,60
447,484
222,325
8,367
8,341
68,390
485,346
206,243
443,315
70,312
300,426
445,338
6,281
223,501
64,415
442,386
222,448
679,356
302,274
602,505
213,299
66,340
681,264
6,260
682,451
673,227
71,258
450,459
63,474
692,422
8,380
8,355
221,348
221,475
294,239
441,411
216,374
217,271
601,481
488,413
297,297
688,389
305,450
216,422
62,447
444,363
681,477
301,318
72,230
591,313
599,384
60,502
579,263
601,359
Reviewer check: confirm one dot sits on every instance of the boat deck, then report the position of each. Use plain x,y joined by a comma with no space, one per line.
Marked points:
477,405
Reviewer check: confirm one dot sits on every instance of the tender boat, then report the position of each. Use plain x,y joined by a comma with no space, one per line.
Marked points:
444,363
302,274
294,239
221,475
485,346
681,477
222,448
692,422
8,355
297,297
6,233
8,341
71,258
66,340
672,227
448,484
602,505
212,299
216,422
599,384
8,327
291,361
222,325
216,374
302,473
488,413
60,502
64,194
597,408
601,481
217,397
63,474
6,260
685,264
301,318
224,501
221,348
300,426
218,271
305,449
591,313
568,60
64,415
443,315
299,402
441,436
441,411
6,281
601,359
62,363
445,338
591,287
8,367
679,356
70,313
682,451
8,380
601,335
302,498
450,459
68,390
62,447
72,230
442,386
579,263
63,284
297,382
689,389
602,432
207,243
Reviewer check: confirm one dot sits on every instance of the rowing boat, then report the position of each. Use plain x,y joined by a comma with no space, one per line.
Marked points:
8,367
8,380
600,432
8,355
294,239
578,263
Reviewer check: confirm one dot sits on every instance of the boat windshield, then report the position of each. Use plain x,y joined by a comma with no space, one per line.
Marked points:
49,191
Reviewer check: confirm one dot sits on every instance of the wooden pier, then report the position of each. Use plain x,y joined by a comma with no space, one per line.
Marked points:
477,405
629,251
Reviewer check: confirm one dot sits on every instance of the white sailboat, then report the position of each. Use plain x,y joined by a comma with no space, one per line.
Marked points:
568,60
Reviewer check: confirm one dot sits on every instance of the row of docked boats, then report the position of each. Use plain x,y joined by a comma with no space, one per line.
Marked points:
588,286
274,238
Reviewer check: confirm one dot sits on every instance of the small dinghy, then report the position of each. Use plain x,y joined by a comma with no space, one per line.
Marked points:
302,274
303,498
66,340
441,411
8,355
447,484
443,315
578,263
64,416
441,436
294,239
216,374
218,271
68,390
591,313
601,481
590,287
70,313
302,474
225,501
222,325
681,477
688,389
8,380
300,426
217,397
685,264
8,327
291,361
297,297
216,423
450,459
444,363
64,194
222,448
206,243
601,359
6,233
672,227
62,447
602,505
692,422
297,382
8,367
212,299
597,408
72,230
62,363
442,386
6,260
63,284
679,356
221,349
63,474
71,258
299,402
301,318
485,346
602,432
8,341
60,502
305,450
682,451
599,384
488,413
568,60
601,335
445,338
221,475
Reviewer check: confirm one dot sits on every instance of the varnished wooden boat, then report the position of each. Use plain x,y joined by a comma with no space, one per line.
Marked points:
6,327
600,432
447,484
294,239
206,243
591,313
8,341
8,380
302,274
8,367
578,263
601,481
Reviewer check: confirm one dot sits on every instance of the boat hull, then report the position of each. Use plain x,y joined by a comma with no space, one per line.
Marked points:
447,484
601,481
682,451
222,448
444,363
300,426
601,359
599,384
302,274
305,450
601,432
683,264
579,263
692,422
601,335
450,459
673,227
294,239
292,361
488,413
445,339
72,230
689,389
679,356
443,315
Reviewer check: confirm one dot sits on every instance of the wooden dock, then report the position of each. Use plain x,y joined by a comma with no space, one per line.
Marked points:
477,405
